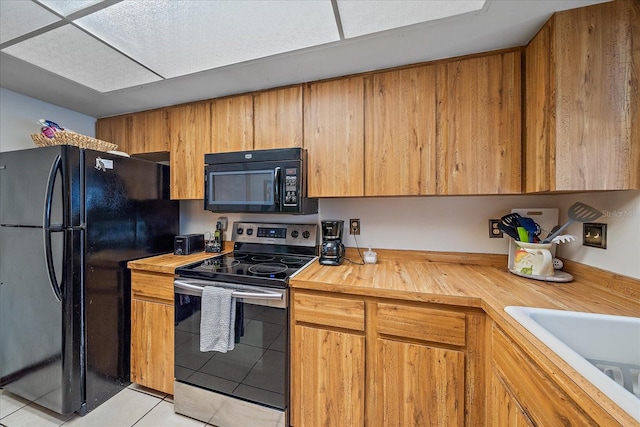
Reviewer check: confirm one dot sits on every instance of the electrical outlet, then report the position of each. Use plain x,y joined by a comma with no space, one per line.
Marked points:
354,227
494,231
594,234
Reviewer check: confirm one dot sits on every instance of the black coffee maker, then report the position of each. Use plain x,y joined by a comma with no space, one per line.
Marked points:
332,249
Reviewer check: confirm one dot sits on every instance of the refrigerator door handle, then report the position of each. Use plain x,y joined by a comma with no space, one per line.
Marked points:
48,253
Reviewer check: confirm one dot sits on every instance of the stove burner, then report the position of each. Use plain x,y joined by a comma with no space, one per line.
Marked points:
218,264
267,268
262,258
293,261
239,256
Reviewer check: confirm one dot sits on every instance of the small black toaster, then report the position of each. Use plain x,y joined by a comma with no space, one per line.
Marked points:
188,243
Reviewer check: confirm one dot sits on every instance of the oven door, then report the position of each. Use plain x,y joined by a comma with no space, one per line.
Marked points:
256,369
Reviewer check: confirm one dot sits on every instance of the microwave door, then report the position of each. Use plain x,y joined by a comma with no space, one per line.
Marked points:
241,189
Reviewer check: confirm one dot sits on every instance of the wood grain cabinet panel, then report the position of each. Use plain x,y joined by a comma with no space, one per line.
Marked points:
114,130
327,360
534,392
504,408
152,341
583,102
400,132
479,122
334,137
190,140
232,124
328,378
277,116
148,132
421,323
418,385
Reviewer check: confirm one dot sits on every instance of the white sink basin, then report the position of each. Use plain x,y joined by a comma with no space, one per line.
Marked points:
605,349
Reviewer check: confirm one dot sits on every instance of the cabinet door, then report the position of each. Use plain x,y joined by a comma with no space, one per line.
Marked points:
148,132
418,385
595,53
190,141
415,376
542,400
152,344
278,118
327,360
539,118
479,125
114,130
327,378
232,124
505,411
400,133
334,137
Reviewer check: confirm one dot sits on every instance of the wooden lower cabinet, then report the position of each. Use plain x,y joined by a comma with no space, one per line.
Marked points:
152,330
522,394
505,409
418,385
360,361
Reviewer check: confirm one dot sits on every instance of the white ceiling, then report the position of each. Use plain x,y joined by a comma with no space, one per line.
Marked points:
110,57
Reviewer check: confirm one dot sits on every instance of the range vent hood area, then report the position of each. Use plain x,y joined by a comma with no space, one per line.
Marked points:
110,57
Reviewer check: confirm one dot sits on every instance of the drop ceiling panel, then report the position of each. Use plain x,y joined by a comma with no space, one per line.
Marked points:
66,8
18,18
71,53
218,33
360,17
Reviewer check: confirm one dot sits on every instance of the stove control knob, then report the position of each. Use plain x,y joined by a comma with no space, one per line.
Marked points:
249,231
294,234
239,230
306,234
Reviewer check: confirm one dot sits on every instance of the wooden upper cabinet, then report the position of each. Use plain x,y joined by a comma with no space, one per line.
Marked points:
190,140
232,124
479,116
277,118
400,132
334,137
583,102
114,130
148,132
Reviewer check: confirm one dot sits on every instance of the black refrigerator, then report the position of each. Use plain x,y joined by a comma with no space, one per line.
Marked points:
70,219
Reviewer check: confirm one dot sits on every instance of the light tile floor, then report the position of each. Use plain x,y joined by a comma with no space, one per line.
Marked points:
133,406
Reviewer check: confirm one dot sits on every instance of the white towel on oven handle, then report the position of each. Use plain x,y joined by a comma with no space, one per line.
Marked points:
217,319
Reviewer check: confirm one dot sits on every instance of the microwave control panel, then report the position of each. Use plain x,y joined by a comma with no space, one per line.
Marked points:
291,187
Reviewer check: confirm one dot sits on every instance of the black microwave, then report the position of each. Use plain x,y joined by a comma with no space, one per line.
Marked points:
259,181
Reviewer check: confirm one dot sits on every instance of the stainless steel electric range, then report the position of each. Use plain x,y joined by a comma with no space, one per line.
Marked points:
249,384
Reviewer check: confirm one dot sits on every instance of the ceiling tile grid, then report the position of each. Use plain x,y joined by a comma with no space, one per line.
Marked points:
129,43
218,33
71,53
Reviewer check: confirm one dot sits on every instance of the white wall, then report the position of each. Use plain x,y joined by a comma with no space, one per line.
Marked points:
19,117
460,224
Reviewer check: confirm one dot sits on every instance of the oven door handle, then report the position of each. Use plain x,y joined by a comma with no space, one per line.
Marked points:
237,294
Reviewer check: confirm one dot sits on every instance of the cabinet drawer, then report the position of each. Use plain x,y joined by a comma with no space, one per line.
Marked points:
329,311
421,323
152,286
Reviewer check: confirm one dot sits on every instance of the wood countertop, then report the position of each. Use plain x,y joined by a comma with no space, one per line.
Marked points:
167,263
475,281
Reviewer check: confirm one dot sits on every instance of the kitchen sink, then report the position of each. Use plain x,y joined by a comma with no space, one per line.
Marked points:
605,349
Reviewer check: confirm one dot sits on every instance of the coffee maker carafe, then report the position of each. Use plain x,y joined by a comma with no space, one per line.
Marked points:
332,249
